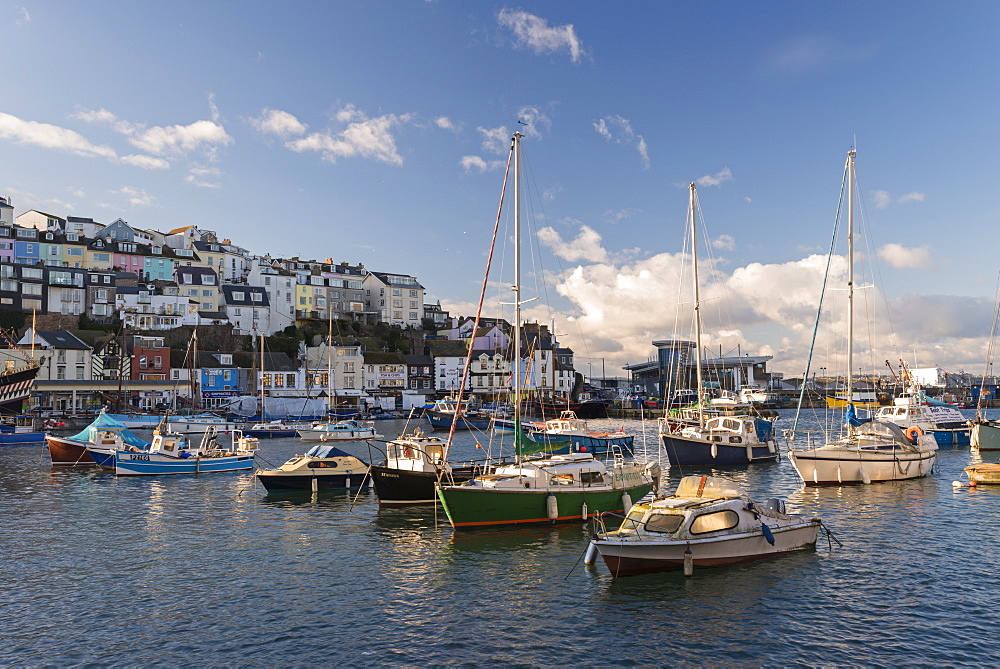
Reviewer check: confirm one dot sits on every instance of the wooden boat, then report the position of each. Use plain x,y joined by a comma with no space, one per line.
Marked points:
173,453
709,522
322,467
987,473
862,451
105,435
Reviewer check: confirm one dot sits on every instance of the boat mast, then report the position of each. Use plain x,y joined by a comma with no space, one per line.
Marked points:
697,305
517,294
850,275
329,355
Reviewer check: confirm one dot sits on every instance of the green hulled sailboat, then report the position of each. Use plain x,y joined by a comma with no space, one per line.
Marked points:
546,489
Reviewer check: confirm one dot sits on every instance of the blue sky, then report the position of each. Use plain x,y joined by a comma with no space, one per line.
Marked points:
375,132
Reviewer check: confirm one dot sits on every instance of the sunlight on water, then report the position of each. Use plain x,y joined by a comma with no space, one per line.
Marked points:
211,570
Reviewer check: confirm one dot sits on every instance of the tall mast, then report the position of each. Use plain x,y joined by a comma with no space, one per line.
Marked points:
329,353
697,303
517,293
850,275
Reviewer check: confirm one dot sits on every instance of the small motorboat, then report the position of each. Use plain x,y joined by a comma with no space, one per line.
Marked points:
96,444
271,429
707,522
342,430
323,467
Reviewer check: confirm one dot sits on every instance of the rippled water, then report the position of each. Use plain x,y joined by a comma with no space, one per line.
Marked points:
208,569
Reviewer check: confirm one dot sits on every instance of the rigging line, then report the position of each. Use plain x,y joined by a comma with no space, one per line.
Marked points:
822,295
479,310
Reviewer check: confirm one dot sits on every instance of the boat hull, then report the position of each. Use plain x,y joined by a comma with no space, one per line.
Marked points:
469,507
682,451
199,427
843,466
335,435
630,558
270,434
128,463
21,438
442,421
318,481
985,437
987,474
402,487
68,452
585,443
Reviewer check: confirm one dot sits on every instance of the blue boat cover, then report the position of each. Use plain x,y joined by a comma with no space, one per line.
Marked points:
106,422
325,451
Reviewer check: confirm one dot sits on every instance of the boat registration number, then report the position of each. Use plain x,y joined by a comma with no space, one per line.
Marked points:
139,456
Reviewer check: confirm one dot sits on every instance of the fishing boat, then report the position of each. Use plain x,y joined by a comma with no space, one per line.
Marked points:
987,473
174,453
341,430
912,407
707,522
414,465
95,442
549,489
571,434
861,451
19,430
322,467
736,439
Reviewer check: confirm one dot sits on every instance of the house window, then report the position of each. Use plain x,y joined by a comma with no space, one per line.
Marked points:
238,296
257,297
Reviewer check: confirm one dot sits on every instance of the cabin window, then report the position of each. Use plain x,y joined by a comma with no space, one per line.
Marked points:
634,519
591,478
322,464
562,479
664,522
713,522
735,440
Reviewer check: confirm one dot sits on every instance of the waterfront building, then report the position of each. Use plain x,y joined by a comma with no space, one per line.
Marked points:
398,299
150,357
385,378
449,362
220,379
63,356
247,309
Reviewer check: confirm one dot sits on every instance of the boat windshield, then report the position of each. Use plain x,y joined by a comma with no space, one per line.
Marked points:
664,522
707,487
633,520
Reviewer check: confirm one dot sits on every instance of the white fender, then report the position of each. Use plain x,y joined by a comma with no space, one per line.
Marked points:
552,507
626,502
715,450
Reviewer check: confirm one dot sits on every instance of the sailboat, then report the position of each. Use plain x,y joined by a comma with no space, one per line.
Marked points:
864,451
733,439
548,489
985,434
914,408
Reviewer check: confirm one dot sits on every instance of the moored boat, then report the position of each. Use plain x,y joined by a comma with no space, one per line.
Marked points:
568,433
442,415
200,424
19,430
987,473
913,408
103,436
322,467
173,453
271,430
708,522
342,430
984,434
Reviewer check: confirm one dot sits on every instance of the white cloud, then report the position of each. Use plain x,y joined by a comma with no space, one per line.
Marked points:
145,162
363,137
495,140
197,176
881,199
279,123
136,196
23,17
715,179
811,53
911,197
534,122
444,123
618,129
535,33
49,136
213,108
586,247
724,243
900,257
620,215
180,139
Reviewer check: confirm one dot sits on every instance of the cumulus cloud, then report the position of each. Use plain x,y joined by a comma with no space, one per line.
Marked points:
363,137
278,123
586,247
495,140
618,129
478,164
23,17
537,35
900,257
176,140
444,123
715,179
724,243
47,136
911,197
534,123
198,175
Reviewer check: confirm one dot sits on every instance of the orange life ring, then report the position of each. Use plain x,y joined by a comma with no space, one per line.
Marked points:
913,432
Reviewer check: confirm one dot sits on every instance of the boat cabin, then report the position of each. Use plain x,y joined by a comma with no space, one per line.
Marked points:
415,452
733,430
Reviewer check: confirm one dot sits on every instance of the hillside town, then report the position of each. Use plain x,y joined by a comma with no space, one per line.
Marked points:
110,310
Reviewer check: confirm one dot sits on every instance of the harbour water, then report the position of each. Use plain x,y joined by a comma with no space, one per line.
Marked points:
209,569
